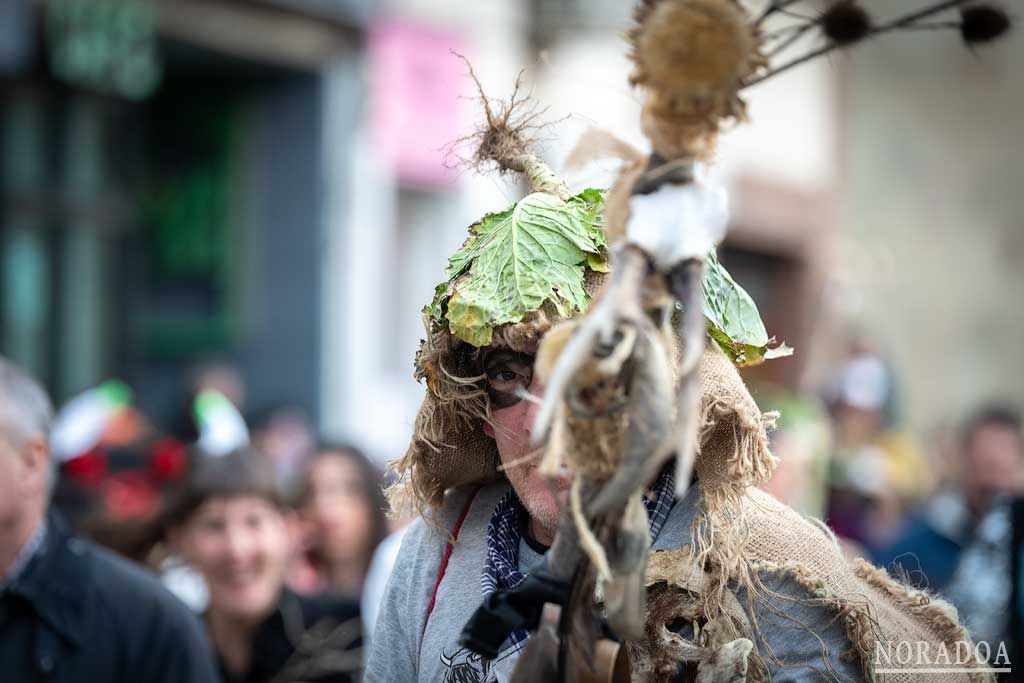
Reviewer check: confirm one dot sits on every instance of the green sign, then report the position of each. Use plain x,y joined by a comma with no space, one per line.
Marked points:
104,45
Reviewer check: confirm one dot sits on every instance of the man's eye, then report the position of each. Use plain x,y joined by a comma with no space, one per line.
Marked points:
505,379
507,374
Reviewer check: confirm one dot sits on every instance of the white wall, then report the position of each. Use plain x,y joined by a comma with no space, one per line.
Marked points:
789,141
932,217
388,247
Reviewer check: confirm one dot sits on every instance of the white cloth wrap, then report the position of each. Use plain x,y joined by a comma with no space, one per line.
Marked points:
678,222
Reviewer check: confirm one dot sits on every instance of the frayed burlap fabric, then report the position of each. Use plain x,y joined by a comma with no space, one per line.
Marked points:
895,632
734,452
890,625
747,533
741,534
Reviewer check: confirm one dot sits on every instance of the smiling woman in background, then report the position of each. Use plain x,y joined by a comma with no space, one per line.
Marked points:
231,524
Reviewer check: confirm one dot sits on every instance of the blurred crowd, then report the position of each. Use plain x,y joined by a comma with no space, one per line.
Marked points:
121,476
280,540
938,510
249,519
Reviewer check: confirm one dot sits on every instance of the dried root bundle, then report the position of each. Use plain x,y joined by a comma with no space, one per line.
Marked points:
507,137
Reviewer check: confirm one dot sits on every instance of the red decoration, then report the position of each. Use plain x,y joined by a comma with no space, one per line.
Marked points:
130,495
87,469
168,460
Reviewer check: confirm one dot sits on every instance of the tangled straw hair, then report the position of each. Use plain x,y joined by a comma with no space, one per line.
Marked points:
448,447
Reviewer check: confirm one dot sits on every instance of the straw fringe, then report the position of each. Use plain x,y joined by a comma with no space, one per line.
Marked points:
938,616
455,403
854,611
734,455
448,446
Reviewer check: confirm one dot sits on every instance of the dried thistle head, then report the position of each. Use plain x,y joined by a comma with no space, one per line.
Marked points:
696,46
692,57
845,22
983,23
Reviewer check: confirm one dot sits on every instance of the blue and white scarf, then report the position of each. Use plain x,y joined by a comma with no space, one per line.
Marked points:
501,569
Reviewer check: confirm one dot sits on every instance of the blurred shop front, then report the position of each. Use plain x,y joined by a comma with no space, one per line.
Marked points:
164,176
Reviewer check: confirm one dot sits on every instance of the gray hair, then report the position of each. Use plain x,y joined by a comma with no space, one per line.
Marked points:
25,408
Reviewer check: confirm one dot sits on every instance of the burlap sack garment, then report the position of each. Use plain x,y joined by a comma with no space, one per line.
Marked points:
740,533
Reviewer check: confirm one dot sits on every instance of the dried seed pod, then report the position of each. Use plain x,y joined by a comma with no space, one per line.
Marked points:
692,57
697,46
983,23
846,22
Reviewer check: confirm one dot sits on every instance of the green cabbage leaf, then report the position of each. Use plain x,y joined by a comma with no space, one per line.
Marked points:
516,260
733,319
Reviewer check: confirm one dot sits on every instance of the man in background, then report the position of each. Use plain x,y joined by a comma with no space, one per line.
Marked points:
959,543
70,611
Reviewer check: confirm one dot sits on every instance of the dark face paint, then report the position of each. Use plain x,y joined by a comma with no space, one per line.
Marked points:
507,372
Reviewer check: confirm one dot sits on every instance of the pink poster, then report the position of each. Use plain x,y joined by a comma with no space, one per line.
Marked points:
416,82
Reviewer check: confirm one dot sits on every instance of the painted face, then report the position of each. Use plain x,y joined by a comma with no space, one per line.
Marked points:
339,508
508,373
240,545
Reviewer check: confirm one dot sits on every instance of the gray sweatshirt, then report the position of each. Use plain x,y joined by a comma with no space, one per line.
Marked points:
407,646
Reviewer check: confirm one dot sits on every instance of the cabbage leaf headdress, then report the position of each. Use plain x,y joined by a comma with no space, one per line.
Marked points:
536,252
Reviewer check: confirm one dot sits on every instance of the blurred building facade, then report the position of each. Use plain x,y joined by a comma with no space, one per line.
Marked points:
165,187
281,196
411,203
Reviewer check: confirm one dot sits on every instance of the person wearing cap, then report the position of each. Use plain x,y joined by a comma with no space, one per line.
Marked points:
70,611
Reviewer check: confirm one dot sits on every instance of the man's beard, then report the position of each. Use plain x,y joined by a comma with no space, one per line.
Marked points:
545,516
543,502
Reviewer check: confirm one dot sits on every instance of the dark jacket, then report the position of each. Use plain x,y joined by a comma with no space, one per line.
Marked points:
928,548
305,639
79,614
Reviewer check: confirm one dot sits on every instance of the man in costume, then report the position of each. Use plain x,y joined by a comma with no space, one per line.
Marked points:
488,514
738,586
502,530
